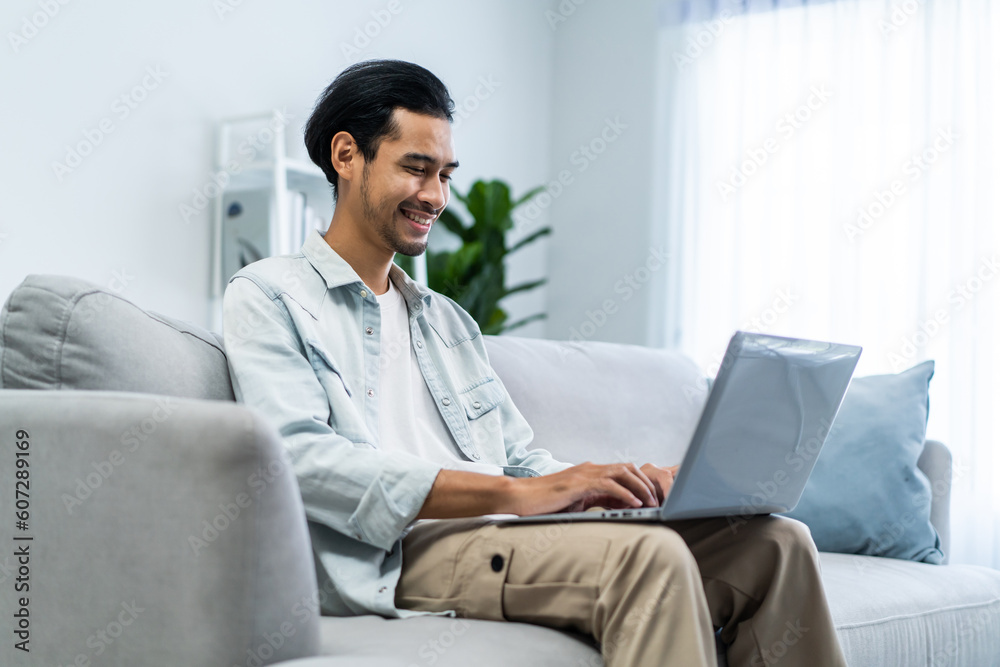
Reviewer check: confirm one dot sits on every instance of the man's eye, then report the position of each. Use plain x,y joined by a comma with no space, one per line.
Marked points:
445,177
416,170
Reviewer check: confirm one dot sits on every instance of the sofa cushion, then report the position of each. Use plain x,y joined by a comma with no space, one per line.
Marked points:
867,495
602,402
58,332
454,642
892,613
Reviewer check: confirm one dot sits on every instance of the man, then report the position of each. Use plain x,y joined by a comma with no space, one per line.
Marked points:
394,419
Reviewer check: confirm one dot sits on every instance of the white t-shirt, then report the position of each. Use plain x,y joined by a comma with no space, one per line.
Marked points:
409,420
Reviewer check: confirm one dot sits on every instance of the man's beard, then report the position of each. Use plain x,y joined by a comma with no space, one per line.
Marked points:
382,217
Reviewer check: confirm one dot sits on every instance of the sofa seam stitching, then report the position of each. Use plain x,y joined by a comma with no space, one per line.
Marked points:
935,612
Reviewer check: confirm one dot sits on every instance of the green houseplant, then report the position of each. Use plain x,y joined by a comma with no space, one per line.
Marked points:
474,275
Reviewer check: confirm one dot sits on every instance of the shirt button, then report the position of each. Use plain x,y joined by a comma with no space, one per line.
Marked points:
445,401
364,293
416,307
476,405
371,392
497,563
369,331
419,344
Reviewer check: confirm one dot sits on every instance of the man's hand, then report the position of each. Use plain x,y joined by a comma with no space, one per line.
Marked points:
614,485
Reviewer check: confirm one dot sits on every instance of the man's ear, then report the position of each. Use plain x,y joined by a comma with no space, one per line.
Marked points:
345,157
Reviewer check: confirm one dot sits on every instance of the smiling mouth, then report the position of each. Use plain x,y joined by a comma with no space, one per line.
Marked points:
420,218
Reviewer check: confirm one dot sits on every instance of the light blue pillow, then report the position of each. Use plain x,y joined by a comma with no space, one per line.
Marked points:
866,494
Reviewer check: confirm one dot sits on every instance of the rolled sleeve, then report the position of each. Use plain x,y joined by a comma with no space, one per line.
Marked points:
364,493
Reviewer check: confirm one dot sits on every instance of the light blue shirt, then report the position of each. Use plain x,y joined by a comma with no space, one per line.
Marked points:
302,337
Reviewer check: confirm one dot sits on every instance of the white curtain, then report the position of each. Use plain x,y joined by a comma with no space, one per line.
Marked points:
827,170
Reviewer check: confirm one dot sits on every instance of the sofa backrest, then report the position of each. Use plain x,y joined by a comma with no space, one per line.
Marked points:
58,332
602,402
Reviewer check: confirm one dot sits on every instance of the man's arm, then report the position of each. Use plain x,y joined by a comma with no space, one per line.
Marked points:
457,493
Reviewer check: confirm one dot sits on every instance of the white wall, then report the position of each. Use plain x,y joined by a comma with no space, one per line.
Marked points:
117,213
604,84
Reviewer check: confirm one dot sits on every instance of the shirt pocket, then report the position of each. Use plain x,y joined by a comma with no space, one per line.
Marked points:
481,397
326,370
480,402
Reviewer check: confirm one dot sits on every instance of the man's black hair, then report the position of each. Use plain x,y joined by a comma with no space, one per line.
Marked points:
361,100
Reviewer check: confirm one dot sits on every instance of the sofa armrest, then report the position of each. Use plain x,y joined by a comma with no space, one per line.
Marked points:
162,531
935,462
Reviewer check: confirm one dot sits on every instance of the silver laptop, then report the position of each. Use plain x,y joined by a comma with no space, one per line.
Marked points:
766,418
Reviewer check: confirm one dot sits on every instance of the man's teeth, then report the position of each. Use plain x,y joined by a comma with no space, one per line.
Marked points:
419,221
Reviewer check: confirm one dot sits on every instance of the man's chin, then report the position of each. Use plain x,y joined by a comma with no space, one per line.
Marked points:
412,250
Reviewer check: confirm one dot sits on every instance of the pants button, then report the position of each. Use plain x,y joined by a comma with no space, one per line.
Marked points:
497,563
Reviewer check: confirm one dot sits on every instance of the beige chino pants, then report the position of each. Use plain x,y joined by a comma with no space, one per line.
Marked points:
651,594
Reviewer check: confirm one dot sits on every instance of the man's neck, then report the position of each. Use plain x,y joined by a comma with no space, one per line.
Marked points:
370,265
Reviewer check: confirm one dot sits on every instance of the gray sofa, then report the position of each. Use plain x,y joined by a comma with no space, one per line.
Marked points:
167,528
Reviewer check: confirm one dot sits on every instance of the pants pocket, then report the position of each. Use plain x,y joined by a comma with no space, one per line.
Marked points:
556,586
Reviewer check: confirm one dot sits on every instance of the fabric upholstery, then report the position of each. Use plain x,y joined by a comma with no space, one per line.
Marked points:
866,494
602,402
455,642
182,514
893,612
58,332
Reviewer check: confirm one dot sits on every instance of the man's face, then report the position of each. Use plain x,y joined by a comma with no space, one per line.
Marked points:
405,188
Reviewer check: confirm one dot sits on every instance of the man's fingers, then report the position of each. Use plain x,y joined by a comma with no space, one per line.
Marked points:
640,485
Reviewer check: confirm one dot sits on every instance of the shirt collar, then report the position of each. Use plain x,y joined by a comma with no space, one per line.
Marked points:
337,272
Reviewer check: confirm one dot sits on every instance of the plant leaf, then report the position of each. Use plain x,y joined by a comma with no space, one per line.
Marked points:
528,239
524,286
528,195
526,320
454,225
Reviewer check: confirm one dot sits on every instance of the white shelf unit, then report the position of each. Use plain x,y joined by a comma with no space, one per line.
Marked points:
276,174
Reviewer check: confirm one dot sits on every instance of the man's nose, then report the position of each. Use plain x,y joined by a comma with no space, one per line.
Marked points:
435,194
